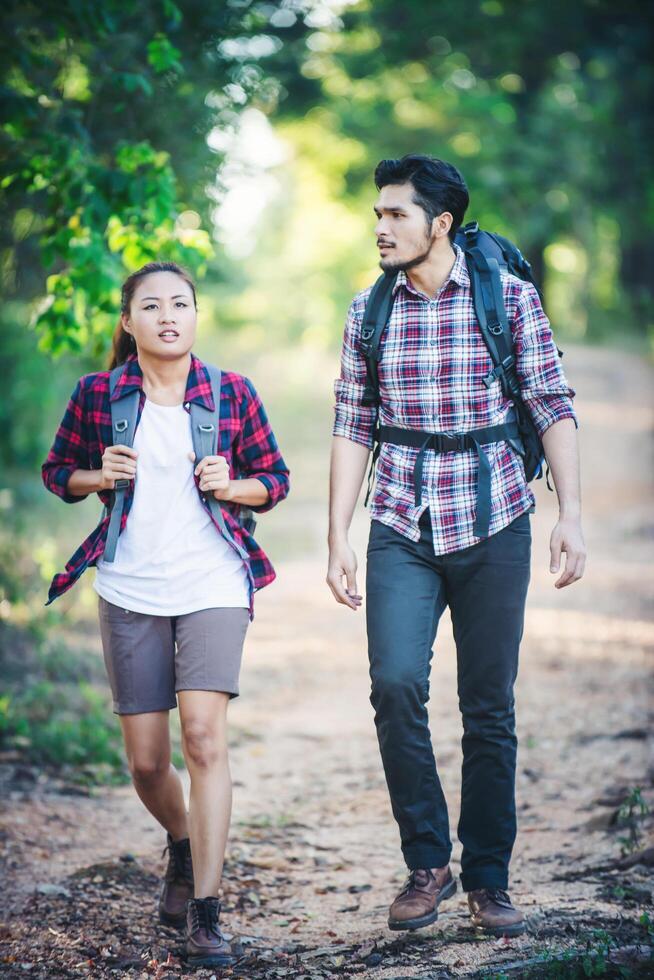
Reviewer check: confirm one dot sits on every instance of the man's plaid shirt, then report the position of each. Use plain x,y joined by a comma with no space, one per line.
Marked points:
245,440
433,361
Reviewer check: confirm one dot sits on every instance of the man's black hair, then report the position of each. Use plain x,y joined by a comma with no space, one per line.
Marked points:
438,186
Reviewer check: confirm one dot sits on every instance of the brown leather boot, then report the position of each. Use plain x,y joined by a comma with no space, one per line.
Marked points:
417,904
178,883
491,911
205,943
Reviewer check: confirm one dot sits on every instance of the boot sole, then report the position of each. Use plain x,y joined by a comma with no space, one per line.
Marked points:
218,960
400,925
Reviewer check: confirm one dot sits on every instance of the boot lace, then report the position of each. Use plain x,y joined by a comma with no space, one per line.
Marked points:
179,861
204,915
411,880
500,897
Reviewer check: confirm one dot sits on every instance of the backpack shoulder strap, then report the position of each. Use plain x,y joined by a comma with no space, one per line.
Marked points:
204,422
204,432
376,316
488,299
124,413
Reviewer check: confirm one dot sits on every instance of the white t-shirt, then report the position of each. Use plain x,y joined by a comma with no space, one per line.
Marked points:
170,558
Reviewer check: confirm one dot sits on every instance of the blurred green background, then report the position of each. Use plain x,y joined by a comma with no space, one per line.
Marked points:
240,138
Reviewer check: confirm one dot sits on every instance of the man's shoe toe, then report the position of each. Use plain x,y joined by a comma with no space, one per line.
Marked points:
417,904
492,912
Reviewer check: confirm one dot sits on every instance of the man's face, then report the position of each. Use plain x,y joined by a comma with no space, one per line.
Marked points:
404,237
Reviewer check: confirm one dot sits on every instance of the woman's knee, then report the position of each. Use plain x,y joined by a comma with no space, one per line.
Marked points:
204,743
148,768
147,745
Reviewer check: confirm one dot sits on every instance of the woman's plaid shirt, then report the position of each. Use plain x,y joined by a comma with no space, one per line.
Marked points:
433,361
245,440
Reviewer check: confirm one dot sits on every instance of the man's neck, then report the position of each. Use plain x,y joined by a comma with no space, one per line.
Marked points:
430,275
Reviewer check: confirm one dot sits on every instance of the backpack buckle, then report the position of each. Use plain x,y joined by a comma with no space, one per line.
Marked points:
120,425
501,371
206,427
451,442
492,376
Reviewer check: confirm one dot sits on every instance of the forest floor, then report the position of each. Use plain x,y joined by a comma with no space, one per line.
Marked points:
314,859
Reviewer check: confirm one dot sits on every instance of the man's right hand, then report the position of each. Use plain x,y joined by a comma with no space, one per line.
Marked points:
343,565
118,463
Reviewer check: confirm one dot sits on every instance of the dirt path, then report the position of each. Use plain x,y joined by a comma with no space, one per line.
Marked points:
314,858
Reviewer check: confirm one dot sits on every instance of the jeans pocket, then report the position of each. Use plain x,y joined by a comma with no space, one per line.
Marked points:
520,525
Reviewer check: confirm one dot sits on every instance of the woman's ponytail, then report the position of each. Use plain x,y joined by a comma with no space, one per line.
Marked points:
122,346
123,343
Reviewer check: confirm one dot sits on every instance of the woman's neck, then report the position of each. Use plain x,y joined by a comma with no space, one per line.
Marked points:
164,382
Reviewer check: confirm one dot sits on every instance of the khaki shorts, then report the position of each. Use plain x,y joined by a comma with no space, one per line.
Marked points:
150,658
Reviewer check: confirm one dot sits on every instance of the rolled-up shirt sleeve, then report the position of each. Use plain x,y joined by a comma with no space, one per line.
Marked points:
69,451
352,420
257,455
543,385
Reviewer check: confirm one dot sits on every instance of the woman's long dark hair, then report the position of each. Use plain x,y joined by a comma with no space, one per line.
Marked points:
123,343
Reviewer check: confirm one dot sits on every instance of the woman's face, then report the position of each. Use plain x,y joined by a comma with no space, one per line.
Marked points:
162,316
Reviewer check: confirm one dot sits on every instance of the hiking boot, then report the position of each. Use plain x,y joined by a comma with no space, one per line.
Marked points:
417,904
205,943
492,912
178,883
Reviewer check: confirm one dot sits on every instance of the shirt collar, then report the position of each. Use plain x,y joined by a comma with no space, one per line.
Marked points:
198,383
458,274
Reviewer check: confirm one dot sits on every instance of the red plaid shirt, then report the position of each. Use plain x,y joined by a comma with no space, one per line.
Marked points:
433,361
245,439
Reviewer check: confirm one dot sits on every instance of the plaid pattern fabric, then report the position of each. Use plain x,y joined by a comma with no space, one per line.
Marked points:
245,440
433,360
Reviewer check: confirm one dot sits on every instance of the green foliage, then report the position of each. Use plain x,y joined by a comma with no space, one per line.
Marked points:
108,141
632,812
549,134
59,725
55,707
162,55
593,959
107,111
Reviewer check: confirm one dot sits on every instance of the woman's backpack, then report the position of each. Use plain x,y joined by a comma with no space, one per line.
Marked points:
204,431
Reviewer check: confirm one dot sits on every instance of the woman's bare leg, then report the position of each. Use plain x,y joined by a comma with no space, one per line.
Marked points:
157,782
203,716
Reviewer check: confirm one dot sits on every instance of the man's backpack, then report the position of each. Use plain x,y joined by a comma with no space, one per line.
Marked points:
204,431
486,254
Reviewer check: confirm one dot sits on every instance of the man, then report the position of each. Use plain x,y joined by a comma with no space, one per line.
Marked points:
423,552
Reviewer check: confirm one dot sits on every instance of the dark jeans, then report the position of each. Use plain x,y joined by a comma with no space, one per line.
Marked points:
407,589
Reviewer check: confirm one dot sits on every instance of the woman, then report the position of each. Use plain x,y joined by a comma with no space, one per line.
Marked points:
176,583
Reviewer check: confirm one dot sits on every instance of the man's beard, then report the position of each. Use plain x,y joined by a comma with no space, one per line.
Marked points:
387,265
